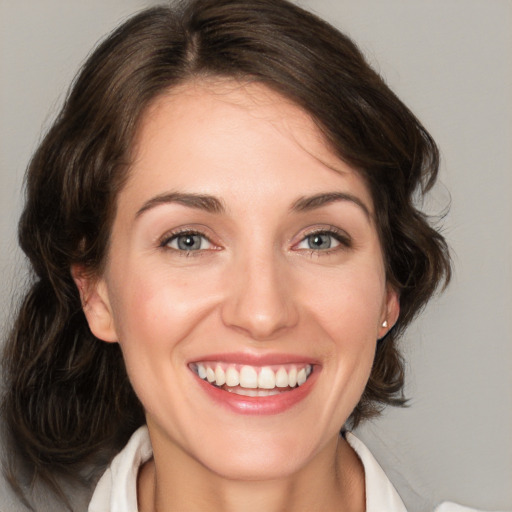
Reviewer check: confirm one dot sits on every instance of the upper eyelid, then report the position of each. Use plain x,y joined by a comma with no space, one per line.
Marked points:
325,229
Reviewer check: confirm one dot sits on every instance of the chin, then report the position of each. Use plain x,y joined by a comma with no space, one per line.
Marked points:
264,457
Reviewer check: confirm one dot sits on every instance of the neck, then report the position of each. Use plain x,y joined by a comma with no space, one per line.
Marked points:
333,481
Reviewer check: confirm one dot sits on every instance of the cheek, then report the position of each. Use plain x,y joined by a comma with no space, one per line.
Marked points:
154,312
349,315
155,309
349,303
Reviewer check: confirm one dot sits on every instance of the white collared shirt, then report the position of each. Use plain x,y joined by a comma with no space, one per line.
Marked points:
117,488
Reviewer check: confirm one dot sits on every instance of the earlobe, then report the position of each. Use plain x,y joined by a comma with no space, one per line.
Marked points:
95,304
391,311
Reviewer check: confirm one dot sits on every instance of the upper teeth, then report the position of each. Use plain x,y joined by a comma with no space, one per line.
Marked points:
253,377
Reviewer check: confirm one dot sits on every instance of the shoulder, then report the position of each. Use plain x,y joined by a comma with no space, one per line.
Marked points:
449,506
380,493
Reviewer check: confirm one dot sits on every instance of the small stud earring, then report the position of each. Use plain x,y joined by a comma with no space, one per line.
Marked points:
385,324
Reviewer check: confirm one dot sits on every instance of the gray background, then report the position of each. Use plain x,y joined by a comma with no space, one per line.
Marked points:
451,62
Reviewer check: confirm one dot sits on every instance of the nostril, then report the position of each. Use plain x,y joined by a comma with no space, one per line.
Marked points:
258,300
261,320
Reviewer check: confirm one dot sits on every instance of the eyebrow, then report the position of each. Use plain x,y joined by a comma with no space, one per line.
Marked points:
306,204
201,202
212,204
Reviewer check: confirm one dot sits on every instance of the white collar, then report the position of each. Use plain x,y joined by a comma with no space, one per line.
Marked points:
380,493
117,489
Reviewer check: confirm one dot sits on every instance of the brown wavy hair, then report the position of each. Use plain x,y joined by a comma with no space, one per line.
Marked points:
67,393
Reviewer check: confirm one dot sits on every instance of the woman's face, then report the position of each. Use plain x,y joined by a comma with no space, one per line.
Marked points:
242,249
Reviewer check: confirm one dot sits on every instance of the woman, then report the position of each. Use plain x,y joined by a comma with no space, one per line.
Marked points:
225,247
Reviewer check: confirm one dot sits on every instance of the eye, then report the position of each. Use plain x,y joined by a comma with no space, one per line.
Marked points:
187,242
323,241
318,241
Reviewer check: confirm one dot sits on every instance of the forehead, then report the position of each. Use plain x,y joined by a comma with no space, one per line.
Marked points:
234,105
206,133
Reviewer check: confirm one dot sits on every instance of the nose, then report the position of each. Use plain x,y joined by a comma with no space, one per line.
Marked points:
259,298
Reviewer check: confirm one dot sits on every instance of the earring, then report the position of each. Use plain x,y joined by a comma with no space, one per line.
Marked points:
385,324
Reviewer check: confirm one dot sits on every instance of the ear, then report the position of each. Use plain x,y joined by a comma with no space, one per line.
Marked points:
390,311
95,303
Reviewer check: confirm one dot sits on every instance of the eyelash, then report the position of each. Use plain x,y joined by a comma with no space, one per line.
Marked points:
344,240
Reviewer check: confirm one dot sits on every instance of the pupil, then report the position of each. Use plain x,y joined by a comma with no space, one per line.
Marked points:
319,242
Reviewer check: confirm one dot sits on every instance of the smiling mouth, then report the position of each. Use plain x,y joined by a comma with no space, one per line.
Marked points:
254,381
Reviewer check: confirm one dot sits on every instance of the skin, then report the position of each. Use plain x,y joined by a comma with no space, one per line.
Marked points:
254,287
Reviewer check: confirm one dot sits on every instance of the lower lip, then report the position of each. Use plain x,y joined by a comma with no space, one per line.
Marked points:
259,405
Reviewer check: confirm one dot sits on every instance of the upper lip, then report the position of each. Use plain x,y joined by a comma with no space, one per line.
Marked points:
252,359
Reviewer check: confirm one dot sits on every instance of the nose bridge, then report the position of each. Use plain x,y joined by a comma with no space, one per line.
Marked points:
259,300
